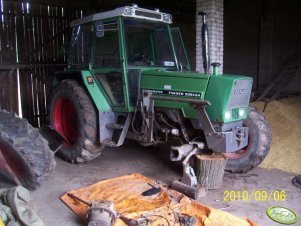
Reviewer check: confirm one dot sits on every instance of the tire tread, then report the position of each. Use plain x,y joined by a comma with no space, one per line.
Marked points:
28,144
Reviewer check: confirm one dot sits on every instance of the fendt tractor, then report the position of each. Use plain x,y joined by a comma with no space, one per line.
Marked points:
129,77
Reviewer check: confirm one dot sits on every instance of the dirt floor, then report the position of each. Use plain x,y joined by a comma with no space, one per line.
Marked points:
284,117
153,163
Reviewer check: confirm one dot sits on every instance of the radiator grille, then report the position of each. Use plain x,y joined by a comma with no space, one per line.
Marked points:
240,93
235,113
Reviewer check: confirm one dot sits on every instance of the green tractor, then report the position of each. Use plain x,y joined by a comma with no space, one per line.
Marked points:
128,76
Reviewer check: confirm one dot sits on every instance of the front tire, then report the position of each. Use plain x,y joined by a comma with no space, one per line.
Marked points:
73,115
260,139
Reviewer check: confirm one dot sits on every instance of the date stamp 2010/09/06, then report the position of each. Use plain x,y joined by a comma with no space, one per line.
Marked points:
254,195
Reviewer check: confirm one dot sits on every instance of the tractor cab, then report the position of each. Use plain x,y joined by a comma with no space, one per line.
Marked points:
117,46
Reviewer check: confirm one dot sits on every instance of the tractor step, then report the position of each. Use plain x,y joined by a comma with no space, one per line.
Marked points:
109,143
114,126
125,128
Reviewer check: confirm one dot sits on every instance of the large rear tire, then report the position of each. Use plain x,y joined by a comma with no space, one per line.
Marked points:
260,138
25,151
73,115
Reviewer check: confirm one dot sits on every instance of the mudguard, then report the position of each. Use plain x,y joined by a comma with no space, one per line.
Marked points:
97,96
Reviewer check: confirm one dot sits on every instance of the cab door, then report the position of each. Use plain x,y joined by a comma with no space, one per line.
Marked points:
106,65
180,49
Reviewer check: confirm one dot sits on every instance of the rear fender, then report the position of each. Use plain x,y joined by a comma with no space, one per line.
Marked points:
96,94
105,113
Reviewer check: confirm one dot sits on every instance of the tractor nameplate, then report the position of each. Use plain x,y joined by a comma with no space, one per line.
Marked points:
173,93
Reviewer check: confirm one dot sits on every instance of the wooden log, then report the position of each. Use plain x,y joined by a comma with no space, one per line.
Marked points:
190,191
210,170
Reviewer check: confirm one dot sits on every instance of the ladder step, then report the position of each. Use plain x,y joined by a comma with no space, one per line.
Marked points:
114,126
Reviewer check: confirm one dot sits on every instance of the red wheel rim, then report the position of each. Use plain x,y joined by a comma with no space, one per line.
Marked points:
15,162
65,120
240,153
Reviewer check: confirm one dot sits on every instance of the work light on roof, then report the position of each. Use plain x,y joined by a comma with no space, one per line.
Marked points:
128,11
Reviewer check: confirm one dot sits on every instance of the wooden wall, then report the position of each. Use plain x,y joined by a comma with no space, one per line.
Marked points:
33,45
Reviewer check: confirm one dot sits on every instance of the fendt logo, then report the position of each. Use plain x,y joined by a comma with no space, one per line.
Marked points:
240,91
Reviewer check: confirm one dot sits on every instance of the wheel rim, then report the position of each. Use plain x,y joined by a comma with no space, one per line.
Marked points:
16,164
65,120
240,153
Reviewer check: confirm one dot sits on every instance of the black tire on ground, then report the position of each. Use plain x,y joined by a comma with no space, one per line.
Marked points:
25,151
74,116
260,138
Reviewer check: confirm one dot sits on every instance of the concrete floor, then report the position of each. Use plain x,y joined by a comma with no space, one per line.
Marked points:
153,163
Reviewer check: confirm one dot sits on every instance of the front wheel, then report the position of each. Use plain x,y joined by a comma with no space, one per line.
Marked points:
73,115
260,138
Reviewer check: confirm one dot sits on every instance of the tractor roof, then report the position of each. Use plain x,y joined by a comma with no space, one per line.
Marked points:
127,11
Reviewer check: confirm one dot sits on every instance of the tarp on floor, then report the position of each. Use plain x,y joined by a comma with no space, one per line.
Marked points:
161,209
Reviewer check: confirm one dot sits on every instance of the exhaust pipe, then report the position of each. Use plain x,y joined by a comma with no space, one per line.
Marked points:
205,43
179,152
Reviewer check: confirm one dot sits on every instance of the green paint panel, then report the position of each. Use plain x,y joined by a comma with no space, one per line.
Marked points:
176,83
218,92
96,94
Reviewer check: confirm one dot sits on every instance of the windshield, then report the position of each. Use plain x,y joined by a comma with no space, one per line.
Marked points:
148,44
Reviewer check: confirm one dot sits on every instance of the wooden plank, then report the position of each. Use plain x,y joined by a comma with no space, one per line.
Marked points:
20,33
40,92
1,33
12,92
25,93
39,35
3,99
38,73
28,108
10,89
6,53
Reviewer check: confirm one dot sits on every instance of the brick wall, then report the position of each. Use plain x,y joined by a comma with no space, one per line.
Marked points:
214,10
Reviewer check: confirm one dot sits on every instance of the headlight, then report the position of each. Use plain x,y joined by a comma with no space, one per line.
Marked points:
241,112
227,115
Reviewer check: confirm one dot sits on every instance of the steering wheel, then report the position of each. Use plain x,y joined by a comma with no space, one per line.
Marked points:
140,59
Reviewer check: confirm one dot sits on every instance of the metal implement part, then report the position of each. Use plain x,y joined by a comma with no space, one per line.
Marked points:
99,213
79,199
102,213
55,139
186,220
152,191
187,151
188,184
131,222
189,177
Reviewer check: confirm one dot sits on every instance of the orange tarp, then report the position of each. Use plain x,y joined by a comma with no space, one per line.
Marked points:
161,209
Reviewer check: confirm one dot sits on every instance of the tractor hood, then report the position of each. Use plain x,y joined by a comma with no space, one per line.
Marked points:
225,92
174,83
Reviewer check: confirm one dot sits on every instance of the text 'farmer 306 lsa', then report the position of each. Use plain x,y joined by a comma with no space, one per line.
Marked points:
129,77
